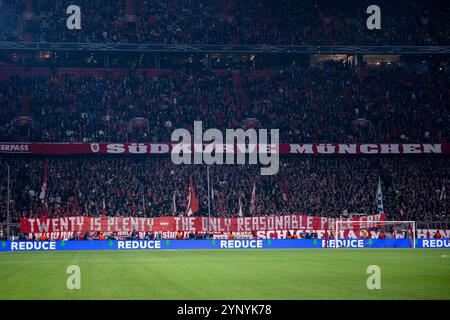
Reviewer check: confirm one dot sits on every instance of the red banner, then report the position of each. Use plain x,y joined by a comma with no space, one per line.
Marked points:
166,148
274,234
191,224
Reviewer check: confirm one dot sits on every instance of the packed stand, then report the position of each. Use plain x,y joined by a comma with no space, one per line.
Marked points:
401,24
325,22
332,102
10,11
101,21
92,108
337,103
266,22
146,186
179,22
286,22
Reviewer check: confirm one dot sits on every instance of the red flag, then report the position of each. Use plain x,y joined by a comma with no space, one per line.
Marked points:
46,211
192,200
253,199
44,182
411,235
221,203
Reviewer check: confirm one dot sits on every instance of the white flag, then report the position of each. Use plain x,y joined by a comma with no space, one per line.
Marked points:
174,204
380,207
240,206
44,183
253,200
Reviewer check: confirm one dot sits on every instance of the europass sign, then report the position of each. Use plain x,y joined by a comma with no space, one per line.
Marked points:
15,246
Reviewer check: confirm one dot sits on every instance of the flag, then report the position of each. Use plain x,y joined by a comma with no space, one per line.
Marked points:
334,192
253,199
221,202
44,182
240,206
143,201
174,204
75,201
104,208
442,191
334,187
380,208
212,196
192,200
212,189
46,210
284,190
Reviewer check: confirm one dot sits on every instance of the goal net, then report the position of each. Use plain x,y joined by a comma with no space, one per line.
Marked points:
369,230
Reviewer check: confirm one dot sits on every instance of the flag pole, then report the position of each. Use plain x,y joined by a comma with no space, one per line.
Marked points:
143,200
7,208
209,195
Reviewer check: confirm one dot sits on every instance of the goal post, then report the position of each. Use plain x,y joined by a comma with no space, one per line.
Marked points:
381,229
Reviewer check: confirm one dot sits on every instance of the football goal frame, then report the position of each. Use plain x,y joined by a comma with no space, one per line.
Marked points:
376,224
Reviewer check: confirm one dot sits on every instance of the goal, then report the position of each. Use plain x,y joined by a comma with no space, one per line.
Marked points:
359,229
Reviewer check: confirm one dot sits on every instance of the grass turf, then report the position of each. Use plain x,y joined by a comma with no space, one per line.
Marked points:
227,274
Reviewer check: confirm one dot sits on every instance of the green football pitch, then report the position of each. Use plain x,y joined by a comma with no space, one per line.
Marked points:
227,274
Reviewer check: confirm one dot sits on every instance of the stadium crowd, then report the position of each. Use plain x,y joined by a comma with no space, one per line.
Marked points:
101,22
9,19
179,21
331,102
148,185
268,22
325,22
